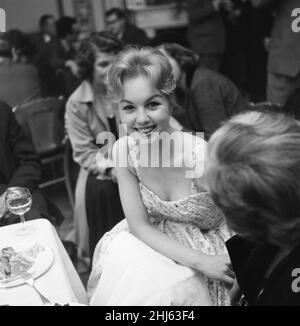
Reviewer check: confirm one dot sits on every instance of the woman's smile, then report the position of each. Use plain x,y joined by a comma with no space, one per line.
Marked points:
146,130
143,108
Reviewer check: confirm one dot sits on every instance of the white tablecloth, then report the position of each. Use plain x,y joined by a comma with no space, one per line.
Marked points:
60,284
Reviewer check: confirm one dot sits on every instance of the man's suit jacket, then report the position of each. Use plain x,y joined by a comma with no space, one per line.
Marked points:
206,27
19,83
134,35
284,45
19,163
20,167
212,99
50,59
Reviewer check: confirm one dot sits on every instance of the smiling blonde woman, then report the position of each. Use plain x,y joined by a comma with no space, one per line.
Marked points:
170,249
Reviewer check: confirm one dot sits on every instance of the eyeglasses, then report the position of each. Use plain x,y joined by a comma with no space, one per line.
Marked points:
111,22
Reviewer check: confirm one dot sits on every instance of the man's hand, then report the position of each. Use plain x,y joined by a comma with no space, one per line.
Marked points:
3,208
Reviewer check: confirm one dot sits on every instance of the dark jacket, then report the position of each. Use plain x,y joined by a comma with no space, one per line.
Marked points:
50,59
206,27
284,44
212,99
20,167
250,263
19,162
134,35
19,83
51,53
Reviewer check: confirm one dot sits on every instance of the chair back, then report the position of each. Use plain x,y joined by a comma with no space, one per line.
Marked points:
43,120
71,170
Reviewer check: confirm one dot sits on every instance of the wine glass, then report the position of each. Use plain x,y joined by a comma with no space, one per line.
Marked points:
18,201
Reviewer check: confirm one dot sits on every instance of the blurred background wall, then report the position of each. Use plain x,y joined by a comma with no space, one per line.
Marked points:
24,14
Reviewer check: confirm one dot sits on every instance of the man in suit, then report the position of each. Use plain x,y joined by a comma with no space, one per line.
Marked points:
20,167
284,51
62,56
19,81
55,54
47,31
43,43
206,31
129,34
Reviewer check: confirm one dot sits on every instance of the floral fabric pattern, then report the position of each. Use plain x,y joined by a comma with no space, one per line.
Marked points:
193,221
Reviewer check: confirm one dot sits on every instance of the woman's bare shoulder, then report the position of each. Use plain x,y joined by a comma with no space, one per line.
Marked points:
121,155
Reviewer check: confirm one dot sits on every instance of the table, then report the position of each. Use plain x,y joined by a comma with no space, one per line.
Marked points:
60,284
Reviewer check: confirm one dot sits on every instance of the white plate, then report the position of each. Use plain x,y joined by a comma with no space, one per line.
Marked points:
39,256
71,304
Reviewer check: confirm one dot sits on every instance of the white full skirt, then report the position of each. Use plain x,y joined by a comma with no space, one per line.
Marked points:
136,275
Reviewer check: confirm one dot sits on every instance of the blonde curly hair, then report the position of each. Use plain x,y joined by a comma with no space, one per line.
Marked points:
133,62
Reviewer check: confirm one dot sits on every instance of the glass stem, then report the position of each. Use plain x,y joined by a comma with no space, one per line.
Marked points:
22,219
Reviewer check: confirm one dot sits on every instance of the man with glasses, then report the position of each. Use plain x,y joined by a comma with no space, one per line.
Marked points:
129,34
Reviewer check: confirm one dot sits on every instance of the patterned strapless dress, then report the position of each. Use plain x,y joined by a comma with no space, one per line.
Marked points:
127,272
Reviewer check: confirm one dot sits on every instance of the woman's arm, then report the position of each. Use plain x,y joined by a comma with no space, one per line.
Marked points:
216,267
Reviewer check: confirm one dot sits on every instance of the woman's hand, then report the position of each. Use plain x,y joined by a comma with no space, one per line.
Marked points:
217,267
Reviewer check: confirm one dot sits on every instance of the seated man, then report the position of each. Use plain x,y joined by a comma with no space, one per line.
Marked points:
19,81
20,167
129,34
55,54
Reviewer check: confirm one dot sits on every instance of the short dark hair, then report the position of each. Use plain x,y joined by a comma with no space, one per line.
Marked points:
64,26
98,42
164,37
116,11
5,46
43,20
20,42
187,59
